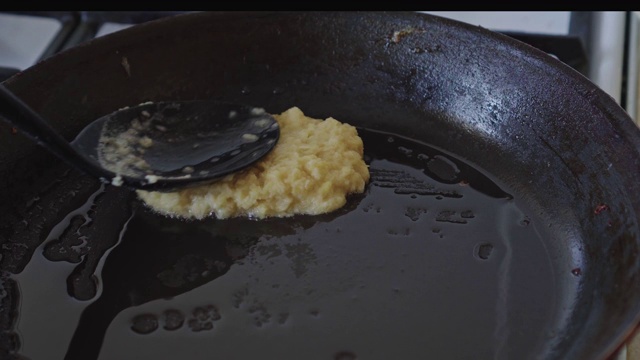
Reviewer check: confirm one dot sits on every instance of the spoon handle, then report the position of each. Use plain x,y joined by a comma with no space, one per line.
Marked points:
20,115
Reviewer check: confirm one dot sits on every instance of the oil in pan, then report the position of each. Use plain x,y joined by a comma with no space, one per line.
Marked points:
431,244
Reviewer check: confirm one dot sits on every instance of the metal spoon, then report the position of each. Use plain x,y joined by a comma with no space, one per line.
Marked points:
156,146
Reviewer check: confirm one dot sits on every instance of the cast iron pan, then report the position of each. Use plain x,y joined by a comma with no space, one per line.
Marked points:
500,221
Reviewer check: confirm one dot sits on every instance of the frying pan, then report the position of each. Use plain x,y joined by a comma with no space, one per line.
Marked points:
500,220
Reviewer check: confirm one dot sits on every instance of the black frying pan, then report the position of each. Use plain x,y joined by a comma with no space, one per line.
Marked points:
500,221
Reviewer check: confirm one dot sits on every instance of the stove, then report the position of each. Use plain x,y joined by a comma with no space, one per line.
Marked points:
602,46
27,37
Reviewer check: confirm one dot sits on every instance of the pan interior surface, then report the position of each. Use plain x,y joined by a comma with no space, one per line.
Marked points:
501,220
432,244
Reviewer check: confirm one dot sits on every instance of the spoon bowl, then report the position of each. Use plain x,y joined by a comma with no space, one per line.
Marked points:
161,146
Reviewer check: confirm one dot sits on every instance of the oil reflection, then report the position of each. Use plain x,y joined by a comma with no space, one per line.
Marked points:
160,257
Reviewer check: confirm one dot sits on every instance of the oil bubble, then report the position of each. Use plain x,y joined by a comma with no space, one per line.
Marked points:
483,251
173,319
414,214
203,318
282,318
144,324
405,151
443,168
468,214
345,355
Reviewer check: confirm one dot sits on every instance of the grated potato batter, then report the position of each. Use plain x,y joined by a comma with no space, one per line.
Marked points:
311,170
